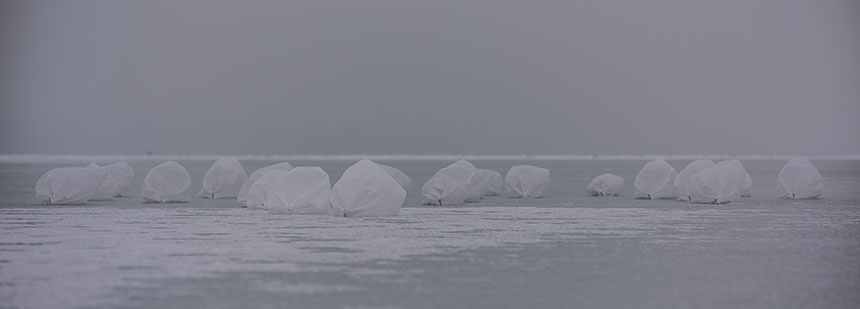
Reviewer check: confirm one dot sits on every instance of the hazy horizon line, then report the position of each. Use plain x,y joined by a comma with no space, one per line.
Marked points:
59,158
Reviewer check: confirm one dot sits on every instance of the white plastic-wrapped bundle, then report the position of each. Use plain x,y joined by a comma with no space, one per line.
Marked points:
366,190
168,182
69,185
717,184
243,192
117,181
224,179
493,181
605,185
746,184
399,176
302,190
255,198
691,169
466,163
477,187
656,180
449,186
527,181
799,179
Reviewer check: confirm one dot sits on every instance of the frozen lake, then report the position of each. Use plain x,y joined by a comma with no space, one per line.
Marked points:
565,250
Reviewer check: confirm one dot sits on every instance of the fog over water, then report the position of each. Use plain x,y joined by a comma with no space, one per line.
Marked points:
476,77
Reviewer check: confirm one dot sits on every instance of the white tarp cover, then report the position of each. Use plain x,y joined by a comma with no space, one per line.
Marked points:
255,198
117,180
450,185
399,176
466,163
691,169
717,184
476,188
302,190
224,179
366,190
605,185
527,181
746,184
656,180
799,179
493,181
168,182
69,185
243,192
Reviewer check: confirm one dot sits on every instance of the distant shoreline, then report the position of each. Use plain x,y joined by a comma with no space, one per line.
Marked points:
54,158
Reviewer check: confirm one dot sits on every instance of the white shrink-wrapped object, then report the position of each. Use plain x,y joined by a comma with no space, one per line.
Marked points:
449,186
527,181
691,169
399,176
69,185
255,198
106,189
656,180
117,181
475,188
493,182
746,184
466,163
366,190
302,190
799,179
605,185
243,192
122,174
224,179
168,182
717,184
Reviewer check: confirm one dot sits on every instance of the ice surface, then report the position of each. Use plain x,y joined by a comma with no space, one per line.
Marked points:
564,250
41,158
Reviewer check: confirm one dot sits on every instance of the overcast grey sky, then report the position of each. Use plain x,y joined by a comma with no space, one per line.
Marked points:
441,76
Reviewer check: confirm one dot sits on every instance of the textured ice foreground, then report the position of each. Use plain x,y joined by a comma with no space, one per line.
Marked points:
564,250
